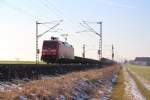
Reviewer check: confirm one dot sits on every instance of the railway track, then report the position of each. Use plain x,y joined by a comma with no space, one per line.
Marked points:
10,72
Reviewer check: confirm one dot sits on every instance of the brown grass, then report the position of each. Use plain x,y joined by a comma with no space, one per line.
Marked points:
118,90
56,86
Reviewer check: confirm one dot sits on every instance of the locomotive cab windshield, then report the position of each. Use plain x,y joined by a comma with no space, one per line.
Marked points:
50,44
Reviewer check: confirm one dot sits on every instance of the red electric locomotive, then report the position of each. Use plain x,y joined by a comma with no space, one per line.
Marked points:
54,50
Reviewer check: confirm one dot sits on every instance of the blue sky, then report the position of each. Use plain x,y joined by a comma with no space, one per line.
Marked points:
125,24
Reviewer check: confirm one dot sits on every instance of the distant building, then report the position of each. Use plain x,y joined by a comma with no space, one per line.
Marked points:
142,61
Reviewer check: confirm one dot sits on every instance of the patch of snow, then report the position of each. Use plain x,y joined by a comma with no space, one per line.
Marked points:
84,88
22,98
45,77
114,78
8,86
62,97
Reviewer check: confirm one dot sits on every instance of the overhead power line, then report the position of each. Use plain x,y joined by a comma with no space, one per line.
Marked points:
50,3
90,29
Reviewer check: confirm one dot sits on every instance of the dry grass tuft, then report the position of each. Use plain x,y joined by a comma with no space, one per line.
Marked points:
118,90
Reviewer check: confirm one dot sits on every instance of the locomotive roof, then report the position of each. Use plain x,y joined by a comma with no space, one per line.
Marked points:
64,43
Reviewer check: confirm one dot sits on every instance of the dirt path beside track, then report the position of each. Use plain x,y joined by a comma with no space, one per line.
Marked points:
126,87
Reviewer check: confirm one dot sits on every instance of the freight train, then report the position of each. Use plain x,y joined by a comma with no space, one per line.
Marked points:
54,50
